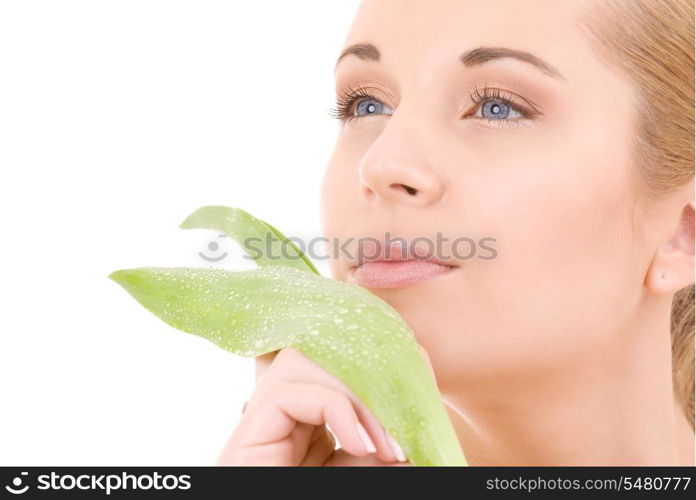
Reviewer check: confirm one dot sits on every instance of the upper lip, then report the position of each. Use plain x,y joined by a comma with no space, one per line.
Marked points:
396,253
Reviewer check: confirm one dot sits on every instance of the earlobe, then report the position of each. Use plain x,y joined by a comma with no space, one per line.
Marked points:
672,267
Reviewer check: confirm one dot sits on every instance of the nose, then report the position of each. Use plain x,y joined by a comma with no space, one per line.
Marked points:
395,173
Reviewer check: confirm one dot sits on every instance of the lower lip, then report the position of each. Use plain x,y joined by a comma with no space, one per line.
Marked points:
393,274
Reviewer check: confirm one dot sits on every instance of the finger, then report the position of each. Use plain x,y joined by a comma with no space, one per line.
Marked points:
301,438
280,405
321,447
263,362
388,449
294,366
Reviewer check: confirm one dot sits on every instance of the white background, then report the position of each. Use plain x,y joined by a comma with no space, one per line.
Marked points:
118,119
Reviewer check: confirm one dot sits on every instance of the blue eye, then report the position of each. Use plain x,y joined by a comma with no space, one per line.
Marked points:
371,107
492,106
498,110
367,104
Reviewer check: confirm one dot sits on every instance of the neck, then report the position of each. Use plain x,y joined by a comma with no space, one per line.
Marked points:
614,408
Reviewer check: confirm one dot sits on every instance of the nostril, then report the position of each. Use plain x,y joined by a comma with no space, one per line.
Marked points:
408,189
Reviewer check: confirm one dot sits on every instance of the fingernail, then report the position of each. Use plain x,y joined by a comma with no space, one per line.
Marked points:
365,438
395,446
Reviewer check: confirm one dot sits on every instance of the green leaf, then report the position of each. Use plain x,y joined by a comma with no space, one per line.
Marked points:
252,234
347,330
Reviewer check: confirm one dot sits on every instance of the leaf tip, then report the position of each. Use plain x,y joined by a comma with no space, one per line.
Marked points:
123,277
190,221
196,219
115,275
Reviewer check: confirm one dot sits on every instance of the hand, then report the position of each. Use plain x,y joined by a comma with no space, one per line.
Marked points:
285,420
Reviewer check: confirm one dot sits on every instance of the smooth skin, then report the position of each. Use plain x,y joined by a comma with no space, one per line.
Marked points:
556,352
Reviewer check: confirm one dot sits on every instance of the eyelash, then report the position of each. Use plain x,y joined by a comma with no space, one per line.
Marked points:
493,94
345,101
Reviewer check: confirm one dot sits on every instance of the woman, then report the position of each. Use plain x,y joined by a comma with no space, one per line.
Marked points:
563,132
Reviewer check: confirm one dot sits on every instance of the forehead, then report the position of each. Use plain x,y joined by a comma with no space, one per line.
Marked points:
430,35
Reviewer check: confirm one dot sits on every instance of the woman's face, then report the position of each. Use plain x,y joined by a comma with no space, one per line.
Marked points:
531,152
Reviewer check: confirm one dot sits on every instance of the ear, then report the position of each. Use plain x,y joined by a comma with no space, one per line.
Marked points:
672,267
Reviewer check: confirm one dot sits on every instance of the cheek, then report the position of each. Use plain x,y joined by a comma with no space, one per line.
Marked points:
338,198
563,281
561,214
570,234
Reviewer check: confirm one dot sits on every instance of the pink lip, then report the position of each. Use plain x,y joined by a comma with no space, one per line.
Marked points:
396,273
393,268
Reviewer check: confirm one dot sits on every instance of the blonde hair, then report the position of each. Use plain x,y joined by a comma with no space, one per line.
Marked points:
652,42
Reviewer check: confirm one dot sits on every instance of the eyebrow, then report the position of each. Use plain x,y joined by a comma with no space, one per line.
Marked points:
364,51
473,57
